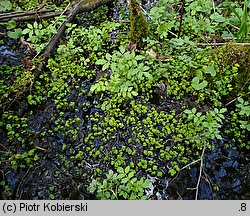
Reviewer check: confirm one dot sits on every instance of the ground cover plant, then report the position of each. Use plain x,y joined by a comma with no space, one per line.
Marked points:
107,118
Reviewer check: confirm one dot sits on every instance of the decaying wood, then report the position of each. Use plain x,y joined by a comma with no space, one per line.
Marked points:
29,15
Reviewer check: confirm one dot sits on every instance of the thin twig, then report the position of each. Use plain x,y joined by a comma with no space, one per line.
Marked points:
245,85
40,148
232,100
3,146
19,184
235,99
213,5
236,27
201,168
172,33
145,11
222,44
206,178
186,166
18,12
181,17
114,194
4,152
193,162
22,14
34,17
69,4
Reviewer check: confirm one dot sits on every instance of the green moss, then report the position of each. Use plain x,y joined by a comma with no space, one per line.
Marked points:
236,54
138,24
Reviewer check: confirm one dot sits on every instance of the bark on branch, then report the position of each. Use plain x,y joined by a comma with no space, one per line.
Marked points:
31,16
39,12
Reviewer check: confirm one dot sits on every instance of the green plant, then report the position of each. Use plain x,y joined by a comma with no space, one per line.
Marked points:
243,31
161,19
38,34
52,196
128,75
33,31
197,84
91,41
5,5
24,160
13,32
120,185
208,124
244,112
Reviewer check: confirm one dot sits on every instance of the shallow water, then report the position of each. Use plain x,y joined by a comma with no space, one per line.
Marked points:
9,57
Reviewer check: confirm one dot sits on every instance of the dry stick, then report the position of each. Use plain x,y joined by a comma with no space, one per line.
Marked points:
193,162
186,166
239,96
235,99
222,44
6,17
3,146
181,17
17,12
4,152
201,168
40,148
69,4
34,17
206,178
236,27
20,183
213,5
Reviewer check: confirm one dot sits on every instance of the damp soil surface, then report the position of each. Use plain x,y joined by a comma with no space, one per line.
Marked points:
227,169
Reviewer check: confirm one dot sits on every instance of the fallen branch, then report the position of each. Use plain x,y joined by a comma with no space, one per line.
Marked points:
18,12
32,15
26,13
82,6
181,17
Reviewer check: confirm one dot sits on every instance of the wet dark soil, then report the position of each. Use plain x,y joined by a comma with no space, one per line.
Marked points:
226,173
